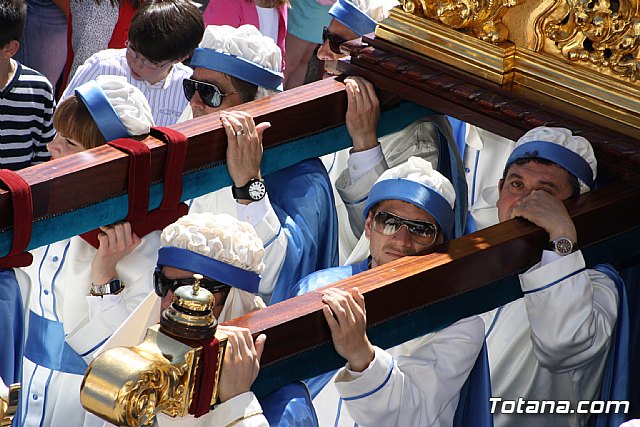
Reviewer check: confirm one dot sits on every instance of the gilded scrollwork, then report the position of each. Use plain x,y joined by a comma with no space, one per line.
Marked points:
598,33
162,388
482,18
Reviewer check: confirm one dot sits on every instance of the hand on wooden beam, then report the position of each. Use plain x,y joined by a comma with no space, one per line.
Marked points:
116,242
241,361
347,318
363,113
244,149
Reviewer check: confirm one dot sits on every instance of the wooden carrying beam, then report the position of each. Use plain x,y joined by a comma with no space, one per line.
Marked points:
80,192
412,296
482,103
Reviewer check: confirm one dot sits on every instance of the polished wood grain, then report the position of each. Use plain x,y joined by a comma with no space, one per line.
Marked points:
462,265
94,175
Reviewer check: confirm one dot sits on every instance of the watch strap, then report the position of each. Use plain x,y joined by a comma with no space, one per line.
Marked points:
242,193
113,287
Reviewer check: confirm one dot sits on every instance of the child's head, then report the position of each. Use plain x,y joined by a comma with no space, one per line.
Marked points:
166,30
13,14
74,119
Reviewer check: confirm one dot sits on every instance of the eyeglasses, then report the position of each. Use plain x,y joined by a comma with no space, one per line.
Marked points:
209,93
163,284
422,232
144,61
334,40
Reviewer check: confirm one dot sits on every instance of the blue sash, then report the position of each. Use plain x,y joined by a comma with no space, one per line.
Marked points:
290,405
302,198
12,330
473,407
46,347
615,381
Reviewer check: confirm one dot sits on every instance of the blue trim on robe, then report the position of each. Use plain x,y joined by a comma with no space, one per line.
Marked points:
302,198
615,381
46,346
12,329
450,165
290,405
474,405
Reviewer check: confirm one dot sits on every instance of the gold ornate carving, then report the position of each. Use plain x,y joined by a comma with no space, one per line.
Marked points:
131,385
160,388
9,404
597,33
481,18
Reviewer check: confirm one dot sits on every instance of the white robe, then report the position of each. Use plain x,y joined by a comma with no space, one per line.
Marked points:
60,283
414,384
553,343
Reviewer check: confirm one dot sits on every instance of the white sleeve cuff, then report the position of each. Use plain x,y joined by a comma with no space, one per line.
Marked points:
361,162
541,277
364,383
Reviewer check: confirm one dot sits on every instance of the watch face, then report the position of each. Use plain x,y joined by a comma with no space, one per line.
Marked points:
564,246
257,190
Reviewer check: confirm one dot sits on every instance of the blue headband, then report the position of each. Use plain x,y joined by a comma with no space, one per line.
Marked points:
237,67
185,259
102,111
557,154
417,194
352,17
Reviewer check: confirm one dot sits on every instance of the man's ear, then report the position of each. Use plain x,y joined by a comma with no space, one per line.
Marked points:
367,225
10,49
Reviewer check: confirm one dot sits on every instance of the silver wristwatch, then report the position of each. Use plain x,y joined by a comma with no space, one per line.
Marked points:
113,287
562,246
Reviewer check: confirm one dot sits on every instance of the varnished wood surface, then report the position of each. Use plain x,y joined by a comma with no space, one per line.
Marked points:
65,184
463,265
482,103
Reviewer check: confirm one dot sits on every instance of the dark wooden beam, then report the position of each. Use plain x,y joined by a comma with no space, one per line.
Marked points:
65,184
470,265
482,103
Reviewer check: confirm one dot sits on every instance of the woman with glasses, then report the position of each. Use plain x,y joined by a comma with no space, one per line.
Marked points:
293,209
83,289
408,212
163,33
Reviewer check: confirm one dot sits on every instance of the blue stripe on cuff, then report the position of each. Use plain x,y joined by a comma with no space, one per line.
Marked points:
556,282
94,347
357,202
386,380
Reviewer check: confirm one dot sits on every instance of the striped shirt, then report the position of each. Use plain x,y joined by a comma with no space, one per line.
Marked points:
26,119
166,97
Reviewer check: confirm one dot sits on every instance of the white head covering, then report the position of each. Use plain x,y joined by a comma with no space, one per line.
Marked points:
243,53
418,183
118,108
222,238
528,145
361,16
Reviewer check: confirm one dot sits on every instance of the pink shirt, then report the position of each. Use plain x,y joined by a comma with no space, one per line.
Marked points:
240,12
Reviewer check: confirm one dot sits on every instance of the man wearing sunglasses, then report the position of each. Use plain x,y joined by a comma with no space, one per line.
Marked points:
408,211
162,35
229,255
427,137
292,210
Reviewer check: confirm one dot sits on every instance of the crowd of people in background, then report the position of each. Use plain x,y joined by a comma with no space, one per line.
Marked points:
75,75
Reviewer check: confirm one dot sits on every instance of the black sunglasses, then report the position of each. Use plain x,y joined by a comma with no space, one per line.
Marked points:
209,93
334,40
162,284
